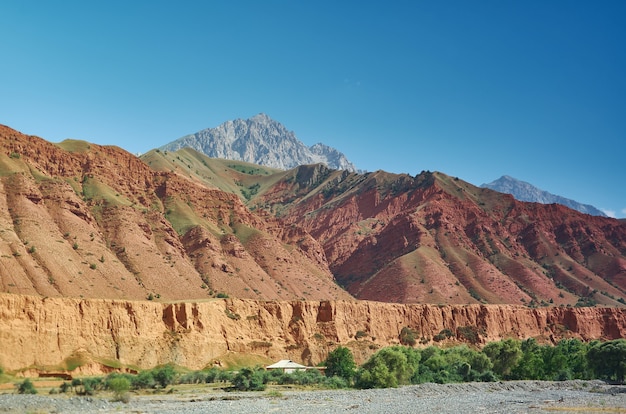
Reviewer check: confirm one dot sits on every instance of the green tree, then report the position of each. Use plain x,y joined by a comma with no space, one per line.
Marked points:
575,352
530,364
608,360
340,363
387,368
504,355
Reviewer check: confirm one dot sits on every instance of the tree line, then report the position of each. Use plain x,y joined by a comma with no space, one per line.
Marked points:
509,359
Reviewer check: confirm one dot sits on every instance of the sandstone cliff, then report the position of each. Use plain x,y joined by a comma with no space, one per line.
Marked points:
49,333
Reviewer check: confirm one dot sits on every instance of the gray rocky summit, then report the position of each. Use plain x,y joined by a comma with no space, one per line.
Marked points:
260,140
524,191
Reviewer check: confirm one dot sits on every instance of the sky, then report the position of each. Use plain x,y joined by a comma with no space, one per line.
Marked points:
474,89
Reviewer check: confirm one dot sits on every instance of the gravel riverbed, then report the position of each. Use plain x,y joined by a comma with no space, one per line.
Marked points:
497,397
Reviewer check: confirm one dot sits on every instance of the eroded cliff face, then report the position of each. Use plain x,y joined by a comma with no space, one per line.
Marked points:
44,333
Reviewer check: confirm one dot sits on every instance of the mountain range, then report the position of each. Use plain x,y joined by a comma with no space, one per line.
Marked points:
112,262
260,140
83,220
524,191
264,141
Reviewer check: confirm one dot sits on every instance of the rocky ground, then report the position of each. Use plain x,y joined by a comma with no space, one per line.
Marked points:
500,397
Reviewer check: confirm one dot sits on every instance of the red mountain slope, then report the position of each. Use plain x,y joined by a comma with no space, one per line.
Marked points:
79,219
435,239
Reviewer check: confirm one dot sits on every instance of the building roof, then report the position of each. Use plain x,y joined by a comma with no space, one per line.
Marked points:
285,363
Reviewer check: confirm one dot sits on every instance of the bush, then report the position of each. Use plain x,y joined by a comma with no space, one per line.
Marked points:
215,375
195,377
87,386
143,380
488,376
249,379
164,375
26,387
336,383
407,336
308,377
65,387
120,386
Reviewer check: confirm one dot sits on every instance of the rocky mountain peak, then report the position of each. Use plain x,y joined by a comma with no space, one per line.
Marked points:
524,191
260,140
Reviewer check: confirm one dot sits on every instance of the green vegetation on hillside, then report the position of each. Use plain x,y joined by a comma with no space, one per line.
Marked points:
74,145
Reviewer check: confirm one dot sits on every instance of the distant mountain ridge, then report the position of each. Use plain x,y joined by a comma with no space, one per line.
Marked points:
263,141
524,191
90,221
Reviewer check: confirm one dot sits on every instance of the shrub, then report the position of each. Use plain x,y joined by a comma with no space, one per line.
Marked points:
65,387
195,377
488,376
336,383
26,387
164,375
231,315
87,386
469,333
444,334
212,375
407,336
249,379
308,377
120,386
143,380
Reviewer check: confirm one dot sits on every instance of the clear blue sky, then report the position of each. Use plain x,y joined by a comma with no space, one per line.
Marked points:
474,89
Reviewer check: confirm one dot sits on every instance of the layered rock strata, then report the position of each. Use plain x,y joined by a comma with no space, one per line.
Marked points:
44,333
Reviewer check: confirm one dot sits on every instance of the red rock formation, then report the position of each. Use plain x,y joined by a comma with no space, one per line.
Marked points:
435,239
82,220
43,332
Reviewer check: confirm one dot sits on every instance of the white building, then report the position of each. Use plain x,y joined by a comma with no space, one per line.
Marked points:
287,366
